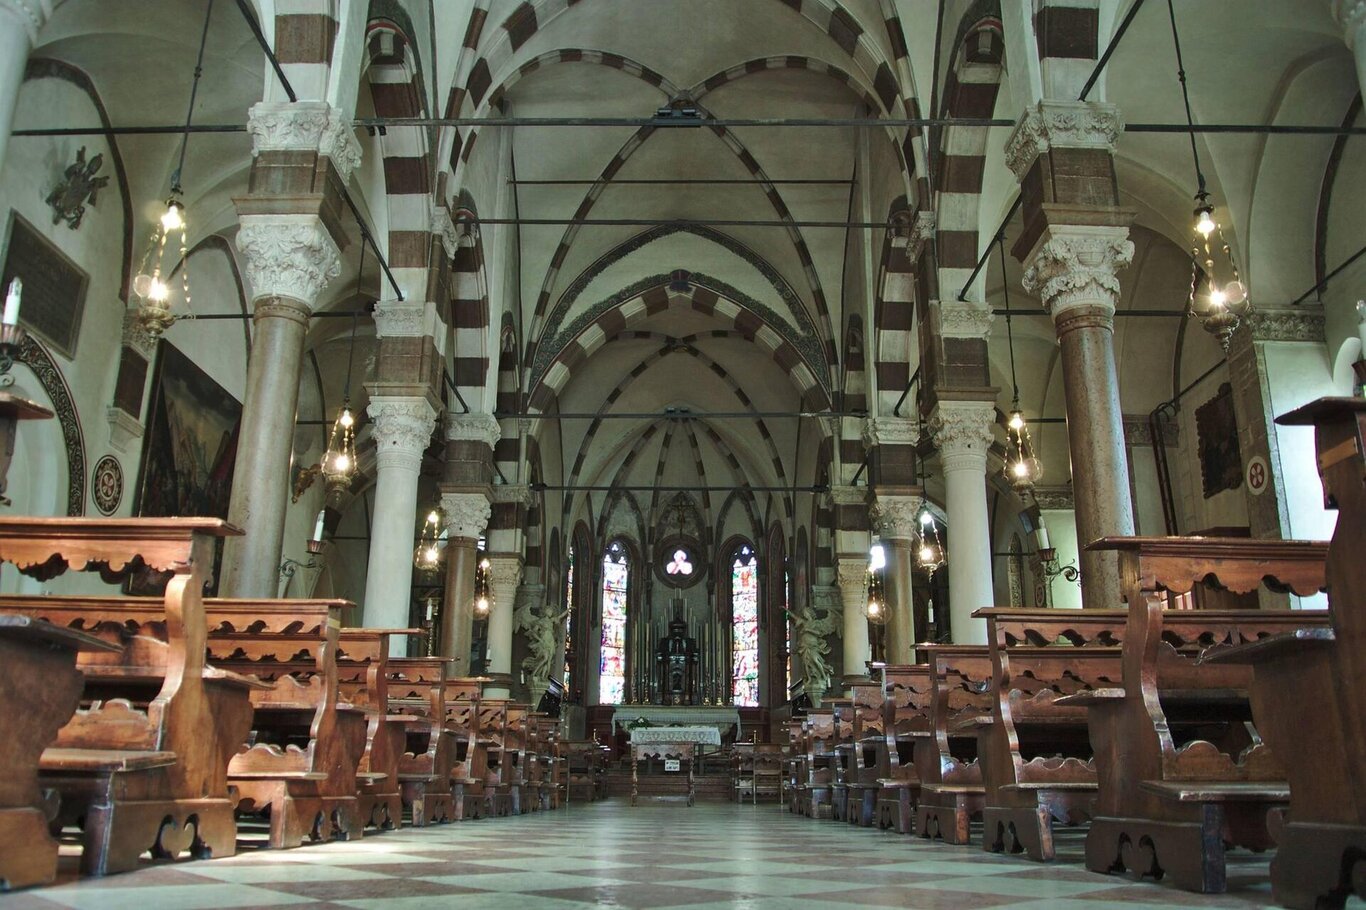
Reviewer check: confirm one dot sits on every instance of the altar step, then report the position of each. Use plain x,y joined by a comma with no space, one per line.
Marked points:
711,788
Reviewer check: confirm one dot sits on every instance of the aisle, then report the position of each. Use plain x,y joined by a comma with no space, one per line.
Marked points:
609,855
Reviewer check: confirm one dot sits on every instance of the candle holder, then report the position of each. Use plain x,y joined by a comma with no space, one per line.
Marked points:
1048,557
12,338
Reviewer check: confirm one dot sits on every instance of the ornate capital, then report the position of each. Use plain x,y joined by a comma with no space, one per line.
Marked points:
896,431
1078,266
965,320
1298,323
472,428
404,319
136,336
505,572
466,514
826,598
962,430
403,429
853,579
304,126
894,517
1065,124
444,228
1351,15
30,14
518,493
288,256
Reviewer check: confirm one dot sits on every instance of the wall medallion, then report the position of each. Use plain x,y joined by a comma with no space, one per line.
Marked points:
107,485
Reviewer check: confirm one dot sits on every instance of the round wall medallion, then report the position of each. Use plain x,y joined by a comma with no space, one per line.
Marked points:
107,484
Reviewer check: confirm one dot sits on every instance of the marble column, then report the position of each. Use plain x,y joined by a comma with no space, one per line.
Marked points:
466,515
20,23
963,432
853,583
1073,271
894,517
505,574
403,430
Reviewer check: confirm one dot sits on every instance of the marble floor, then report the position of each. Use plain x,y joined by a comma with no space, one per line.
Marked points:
607,854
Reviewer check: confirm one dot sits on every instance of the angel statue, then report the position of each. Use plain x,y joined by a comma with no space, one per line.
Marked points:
542,646
812,629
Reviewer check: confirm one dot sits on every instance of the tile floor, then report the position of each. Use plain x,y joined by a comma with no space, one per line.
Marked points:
659,855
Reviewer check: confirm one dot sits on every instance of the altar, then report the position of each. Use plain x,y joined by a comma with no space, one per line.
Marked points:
723,718
679,743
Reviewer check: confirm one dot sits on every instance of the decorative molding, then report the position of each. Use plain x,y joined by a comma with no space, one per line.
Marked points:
965,320
963,428
403,429
896,431
304,126
466,514
1078,266
443,228
827,598
895,517
124,429
1139,432
36,357
106,485
518,493
136,336
844,495
404,319
1054,499
288,256
1300,323
1065,124
472,428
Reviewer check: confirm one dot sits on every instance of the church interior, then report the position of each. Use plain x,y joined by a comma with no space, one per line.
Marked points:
737,453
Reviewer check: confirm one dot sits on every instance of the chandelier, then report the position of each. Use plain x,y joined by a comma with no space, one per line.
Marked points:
877,602
1218,296
152,284
427,556
483,596
929,549
1022,468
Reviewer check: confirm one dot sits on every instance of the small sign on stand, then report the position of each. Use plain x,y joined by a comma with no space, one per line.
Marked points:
670,764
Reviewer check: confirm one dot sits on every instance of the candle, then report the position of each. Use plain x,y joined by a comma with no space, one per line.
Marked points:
322,513
1043,536
16,288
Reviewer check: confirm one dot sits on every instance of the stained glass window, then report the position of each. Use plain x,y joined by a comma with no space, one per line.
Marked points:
616,570
787,624
744,612
568,617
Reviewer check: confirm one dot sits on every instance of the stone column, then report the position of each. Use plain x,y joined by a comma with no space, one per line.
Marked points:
289,244
505,574
20,22
466,515
1351,14
853,583
894,517
962,430
403,430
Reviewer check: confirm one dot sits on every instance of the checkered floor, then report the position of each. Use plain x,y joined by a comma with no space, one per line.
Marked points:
607,854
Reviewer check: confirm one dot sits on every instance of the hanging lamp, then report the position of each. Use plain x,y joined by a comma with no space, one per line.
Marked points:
1022,467
483,596
152,284
1218,296
339,461
929,549
427,556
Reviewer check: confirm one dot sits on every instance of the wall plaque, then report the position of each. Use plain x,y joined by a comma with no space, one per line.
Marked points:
54,287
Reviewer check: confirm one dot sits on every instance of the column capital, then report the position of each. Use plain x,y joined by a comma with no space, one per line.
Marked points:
505,571
897,431
1061,124
827,598
963,432
466,514
1351,15
443,228
405,319
30,14
135,334
852,573
894,517
1076,266
403,429
911,233
516,493
293,126
288,256
473,427
1297,323
965,320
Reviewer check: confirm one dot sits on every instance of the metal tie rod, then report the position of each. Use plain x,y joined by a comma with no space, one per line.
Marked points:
680,415
736,488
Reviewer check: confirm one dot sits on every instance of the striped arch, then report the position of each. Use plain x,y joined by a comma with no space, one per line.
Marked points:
395,76
855,400
969,92
469,311
547,386
894,323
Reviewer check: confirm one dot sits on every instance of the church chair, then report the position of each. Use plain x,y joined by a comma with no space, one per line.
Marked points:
417,692
951,790
363,672
841,755
818,764
906,721
469,775
768,771
742,773
492,736
865,771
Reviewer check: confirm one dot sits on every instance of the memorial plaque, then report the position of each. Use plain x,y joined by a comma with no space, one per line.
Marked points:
131,380
54,287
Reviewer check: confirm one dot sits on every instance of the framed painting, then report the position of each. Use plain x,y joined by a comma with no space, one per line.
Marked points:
189,447
1216,425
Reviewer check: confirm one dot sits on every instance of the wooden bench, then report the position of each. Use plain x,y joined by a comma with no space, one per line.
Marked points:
475,796
816,774
1309,688
141,768
906,707
951,789
417,693
40,689
841,753
1182,772
865,770
363,678
583,766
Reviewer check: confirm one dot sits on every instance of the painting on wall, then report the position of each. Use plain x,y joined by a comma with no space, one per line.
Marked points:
190,444
1221,462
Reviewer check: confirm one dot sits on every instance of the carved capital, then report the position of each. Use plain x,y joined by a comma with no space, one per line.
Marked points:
288,256
31,15
894,517
472,428
403,429
505,573
444,229
963,432
1298,323
1078,266
136,336
466,514
1064,124
852,574
965,320
304,126
896,431
404,319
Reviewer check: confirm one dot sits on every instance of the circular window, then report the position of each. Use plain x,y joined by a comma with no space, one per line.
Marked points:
677,562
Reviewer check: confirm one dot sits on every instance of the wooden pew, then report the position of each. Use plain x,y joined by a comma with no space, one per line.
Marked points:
363,677
951,790
1182,772
817,771
1035,753
794,763
417,693
549,763
841,754
583,761
865,770
301,768
40,689
906,707
143,765
1309,688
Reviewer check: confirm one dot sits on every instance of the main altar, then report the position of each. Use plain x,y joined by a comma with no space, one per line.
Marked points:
722,718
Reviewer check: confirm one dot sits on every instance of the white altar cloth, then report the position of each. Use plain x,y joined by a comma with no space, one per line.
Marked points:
722,717
704,735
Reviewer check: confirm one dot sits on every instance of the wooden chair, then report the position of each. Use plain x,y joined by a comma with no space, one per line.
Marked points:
951,790
742,772
471,790
40,689
906,710
581,758
1182,772
768,771
1309,689
142,766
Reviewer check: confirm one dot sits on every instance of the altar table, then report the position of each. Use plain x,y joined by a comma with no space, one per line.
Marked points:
668,742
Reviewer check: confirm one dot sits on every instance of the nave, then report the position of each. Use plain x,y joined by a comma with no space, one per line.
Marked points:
656,855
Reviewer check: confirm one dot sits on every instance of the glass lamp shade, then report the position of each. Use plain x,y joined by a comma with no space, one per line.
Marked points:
151,285
427,555
1022,467
1218,296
